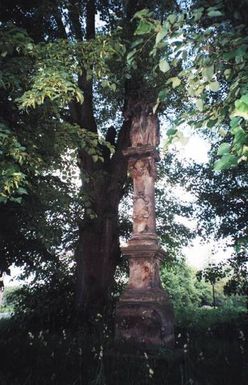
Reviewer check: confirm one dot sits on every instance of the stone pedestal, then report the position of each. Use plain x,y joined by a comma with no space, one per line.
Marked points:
144,314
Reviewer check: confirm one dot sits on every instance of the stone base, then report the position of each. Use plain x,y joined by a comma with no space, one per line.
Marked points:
145,317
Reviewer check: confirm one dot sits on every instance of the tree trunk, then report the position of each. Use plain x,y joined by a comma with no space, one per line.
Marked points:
98,253
98,249
213,292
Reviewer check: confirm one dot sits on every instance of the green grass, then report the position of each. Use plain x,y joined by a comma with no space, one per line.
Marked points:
211,350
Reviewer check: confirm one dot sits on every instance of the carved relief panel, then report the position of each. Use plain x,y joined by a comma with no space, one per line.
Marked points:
144,130
143,173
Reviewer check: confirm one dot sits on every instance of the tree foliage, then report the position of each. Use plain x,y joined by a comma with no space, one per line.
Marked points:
183,287
221,209
203,53
34,201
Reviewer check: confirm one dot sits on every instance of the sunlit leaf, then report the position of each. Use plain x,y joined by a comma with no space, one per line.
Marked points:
160,35
225,162
208,72
143,27
224,149
164,65
214,13
199,104
214,86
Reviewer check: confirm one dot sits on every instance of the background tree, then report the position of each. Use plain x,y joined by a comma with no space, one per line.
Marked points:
222,213
212,274
36,205
183,287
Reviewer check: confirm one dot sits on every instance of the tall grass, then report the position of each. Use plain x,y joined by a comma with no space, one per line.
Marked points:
211,349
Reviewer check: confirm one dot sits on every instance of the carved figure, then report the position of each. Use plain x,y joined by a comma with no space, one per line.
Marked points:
141,213
144,130
139,171
142,168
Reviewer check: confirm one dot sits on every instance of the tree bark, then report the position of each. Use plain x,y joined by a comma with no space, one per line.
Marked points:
98,249
214,300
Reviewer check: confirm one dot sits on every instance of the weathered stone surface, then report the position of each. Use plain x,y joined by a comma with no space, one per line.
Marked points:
144,263
147,323
144,314
145,130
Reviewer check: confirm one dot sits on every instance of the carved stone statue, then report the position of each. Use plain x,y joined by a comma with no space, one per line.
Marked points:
144,314
145,130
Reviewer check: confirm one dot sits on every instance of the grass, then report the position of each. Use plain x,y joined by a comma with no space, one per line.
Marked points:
211,350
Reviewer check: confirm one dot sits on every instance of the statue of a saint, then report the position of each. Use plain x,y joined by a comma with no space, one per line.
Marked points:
145,130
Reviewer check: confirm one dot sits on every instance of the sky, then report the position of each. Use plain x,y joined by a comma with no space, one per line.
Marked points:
198,254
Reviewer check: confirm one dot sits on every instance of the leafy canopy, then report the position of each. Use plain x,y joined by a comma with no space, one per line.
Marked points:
204,56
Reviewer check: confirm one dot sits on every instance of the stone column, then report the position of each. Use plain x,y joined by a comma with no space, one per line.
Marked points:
144,314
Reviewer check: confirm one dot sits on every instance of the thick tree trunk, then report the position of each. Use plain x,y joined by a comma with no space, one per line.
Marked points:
98,253
98,249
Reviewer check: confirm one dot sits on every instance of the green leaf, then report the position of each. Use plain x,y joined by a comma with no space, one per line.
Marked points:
137,42
240,53
244,99
224,149
113,87
197,13
143,13
143,27
234,122
199,104
16,200
30,46
214,13
225,162
241,107
130,56
22,191
164,65
199,90
227,73
95,158
208,72
79,97
172,18
163,95
214,86
175,81
171,132
211,123
240,136
160,35
245,150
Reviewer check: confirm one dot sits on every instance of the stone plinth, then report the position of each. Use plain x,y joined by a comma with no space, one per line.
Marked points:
144,314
